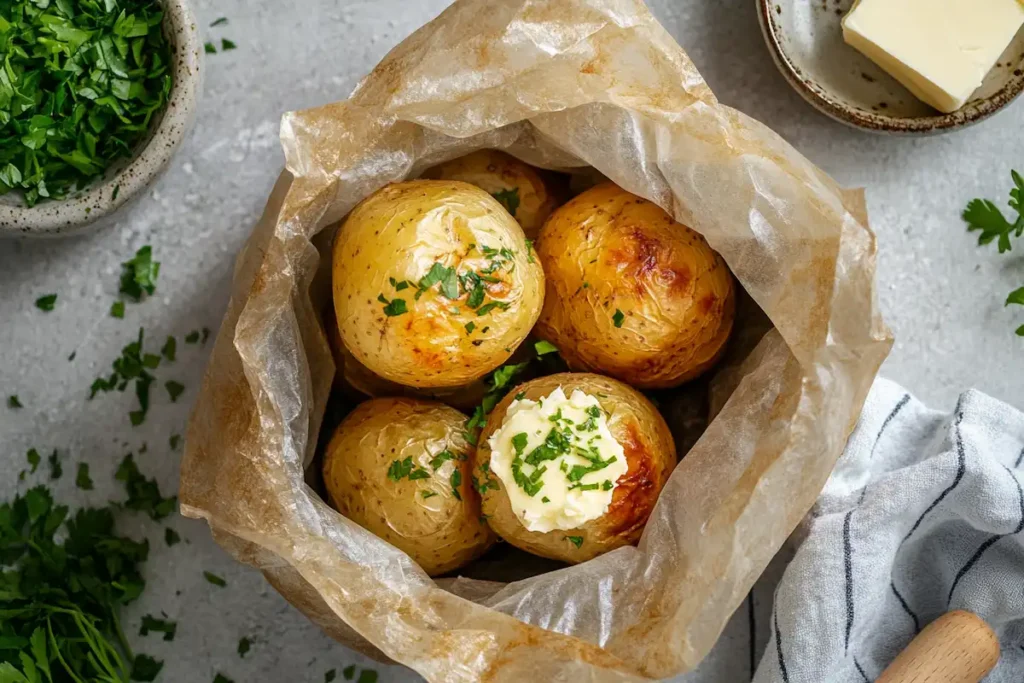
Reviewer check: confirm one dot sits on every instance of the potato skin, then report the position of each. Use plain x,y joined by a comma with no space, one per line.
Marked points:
399,233
494,172
650,454
441,533
607,251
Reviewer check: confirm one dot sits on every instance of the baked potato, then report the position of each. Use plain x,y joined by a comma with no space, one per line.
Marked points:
631,293
435,284
603,453
518,186
400,468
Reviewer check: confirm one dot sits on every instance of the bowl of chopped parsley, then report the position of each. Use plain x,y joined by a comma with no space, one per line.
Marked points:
95,98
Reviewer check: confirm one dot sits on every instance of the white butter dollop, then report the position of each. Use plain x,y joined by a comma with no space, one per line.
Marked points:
557,460
940,50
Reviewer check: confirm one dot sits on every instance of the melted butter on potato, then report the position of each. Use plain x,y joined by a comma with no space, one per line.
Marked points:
557,459
517,185
435,284
631,292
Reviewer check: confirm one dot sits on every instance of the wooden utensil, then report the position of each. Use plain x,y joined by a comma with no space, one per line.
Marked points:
958,647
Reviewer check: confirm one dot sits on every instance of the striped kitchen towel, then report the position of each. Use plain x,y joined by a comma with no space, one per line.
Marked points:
923,514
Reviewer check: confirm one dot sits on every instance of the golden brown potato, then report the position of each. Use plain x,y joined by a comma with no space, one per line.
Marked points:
434,283
515,184
401,469
650,455
631,293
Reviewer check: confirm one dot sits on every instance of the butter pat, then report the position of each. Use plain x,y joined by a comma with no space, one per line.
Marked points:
941,50
557,460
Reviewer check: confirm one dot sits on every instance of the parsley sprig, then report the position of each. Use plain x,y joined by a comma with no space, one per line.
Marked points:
983,215
82,81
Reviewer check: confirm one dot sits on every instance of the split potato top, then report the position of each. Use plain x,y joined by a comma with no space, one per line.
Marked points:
435,284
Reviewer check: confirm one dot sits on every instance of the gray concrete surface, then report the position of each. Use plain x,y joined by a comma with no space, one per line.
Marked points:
941,295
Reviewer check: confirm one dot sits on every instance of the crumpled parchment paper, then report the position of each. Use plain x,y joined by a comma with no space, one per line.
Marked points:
562,84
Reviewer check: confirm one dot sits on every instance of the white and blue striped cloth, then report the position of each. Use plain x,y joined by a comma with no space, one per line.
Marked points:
923,515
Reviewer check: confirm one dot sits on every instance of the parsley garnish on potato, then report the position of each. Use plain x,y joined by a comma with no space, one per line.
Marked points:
984,215
83,82
509,199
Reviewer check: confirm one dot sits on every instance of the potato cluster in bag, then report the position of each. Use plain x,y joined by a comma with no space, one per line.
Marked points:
537,355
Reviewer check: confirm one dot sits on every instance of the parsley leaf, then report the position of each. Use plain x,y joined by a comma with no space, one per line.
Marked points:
174,441
618,318
243,646
543,348
221,678
154,625
143,494
214,579
394,307
145,668
14,402
170,349
192,337
226,45
139,274
509,199
174,390
46,303
56,469
117,309
82,478
456,482
219,22
210,48
575,540
171,537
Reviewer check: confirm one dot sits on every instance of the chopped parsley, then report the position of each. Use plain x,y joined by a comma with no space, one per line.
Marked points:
45,303
145,668
509,199
428,494
171,537
441,458
214,579
456,482
13,402
220,21
174,389
192,337
543,348
401,469
226,44
221,678
143,493
169,349
151,624
244,646
139,274
545,499
131,367
394,307
174,441
210,48
56,469
618,318
82,478
575,540
117,309
33,458
84,80
470,326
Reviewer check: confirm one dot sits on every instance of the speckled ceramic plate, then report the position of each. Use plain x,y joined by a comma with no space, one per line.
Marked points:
92,207
805,38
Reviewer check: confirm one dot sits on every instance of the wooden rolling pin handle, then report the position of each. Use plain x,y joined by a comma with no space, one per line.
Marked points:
958,647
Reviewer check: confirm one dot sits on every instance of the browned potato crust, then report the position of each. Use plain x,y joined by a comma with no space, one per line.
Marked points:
650,454
631,293
497,173
437,337
439,531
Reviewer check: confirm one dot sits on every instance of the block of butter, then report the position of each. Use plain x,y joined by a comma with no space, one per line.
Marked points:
940,50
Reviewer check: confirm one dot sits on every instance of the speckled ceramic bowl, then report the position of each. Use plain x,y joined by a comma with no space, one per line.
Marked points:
805,38
92,207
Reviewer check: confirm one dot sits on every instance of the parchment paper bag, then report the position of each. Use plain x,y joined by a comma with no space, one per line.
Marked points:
562,84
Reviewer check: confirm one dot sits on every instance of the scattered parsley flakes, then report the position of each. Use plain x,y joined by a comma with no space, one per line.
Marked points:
243,646
428,494
174,390
206,334
618,318
441,458
169,349
221,678
117,309
174,441
400,469
139,274
456,482
33,458
509,199
542,348
171,537
367,676
115,193
219,22
545,499
210,48
394,307
470,326
226,45
192,337
46,303
214,579
575,540
349,672
82,478
330,675
143,494
151,624
56,469
145,668
13,402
